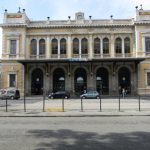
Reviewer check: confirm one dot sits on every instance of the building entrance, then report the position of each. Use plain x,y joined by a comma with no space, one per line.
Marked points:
80,81
102,81
58,80
37,82
124,77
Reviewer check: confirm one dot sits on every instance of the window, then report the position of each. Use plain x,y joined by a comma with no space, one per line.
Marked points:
33,47
13,47
105,45
62,46
127,45
148,78
54,46
97,46
118,45
147,44
84,46
12,80
75,46
42,47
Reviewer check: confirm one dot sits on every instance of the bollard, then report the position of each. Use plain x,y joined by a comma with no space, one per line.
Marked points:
100,103
119,102
6,104
81,104
139,103
24,103
63,105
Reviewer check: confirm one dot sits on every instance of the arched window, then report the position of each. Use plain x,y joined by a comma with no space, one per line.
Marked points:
54,46
97,46
118,45
62,46
84,46
127,45
75,46
105,45
33,47
42,47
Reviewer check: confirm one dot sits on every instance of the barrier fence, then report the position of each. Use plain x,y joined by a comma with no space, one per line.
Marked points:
118,103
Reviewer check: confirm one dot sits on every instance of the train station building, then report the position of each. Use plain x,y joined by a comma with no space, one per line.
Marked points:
75,54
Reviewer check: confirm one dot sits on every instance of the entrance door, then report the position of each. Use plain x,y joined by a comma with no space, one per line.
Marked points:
124,77
58,80
37,82
80,81
102,81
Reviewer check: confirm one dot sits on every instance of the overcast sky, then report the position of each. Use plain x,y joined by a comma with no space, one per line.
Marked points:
61,9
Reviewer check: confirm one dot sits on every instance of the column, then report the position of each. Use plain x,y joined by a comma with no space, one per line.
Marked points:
37,54
17,50
143,46
58,48
80,53
112,49
123,51
101,48
27,52
46,87
90,49
7,52
48,47
69,47
23,44
68,81
137,42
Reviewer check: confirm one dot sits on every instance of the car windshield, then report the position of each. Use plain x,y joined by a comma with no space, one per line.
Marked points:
10,92
90,92
60,92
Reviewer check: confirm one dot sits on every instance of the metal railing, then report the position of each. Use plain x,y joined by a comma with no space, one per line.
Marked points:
138,103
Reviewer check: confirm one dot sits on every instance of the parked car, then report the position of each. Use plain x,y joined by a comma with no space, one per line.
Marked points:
9,94
90,94
59,94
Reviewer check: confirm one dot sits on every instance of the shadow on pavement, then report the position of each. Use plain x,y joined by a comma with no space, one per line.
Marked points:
76,140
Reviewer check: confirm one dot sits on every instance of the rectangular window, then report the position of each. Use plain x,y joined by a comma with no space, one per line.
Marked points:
12,80
148,78
147,44
13,47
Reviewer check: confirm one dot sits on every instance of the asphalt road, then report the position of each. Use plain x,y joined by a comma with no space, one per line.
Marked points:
75,133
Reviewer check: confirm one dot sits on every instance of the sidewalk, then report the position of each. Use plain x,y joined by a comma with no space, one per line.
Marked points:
75,108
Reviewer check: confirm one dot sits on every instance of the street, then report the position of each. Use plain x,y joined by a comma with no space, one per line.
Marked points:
75,133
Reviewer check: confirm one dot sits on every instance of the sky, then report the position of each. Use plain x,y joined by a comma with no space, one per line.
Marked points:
61,9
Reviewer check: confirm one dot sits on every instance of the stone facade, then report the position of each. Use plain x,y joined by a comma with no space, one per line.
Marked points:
74,55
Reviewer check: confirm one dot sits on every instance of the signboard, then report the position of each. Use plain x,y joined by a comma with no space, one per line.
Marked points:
77,59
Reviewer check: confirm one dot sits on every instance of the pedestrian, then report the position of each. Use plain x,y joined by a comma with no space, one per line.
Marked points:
123,92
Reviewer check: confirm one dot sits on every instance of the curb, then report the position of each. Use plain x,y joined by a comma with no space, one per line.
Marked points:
76,114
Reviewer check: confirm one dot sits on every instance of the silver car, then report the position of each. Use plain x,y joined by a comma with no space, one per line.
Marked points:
9,94
90,94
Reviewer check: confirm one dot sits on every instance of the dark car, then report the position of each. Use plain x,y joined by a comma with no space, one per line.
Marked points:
90,94
9,94
59,94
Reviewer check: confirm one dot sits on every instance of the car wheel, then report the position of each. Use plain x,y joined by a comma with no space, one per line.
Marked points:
12,98
66,97
83,97
51,97
97,97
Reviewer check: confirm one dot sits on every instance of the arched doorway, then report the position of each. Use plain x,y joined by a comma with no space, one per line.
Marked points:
124,80
58,80
80,81
37,82
102,81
